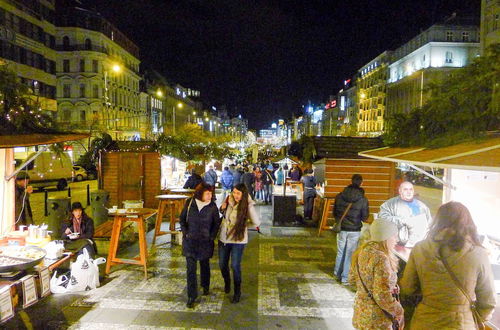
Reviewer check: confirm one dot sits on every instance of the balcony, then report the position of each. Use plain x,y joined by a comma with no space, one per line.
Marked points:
81,47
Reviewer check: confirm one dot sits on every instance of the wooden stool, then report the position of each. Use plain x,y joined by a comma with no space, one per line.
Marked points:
324,217
174,203
138,216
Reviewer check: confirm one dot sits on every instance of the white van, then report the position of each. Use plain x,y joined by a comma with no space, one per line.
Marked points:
50,169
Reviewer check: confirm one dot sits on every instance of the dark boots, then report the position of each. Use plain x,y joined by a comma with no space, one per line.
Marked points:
237,293
227,286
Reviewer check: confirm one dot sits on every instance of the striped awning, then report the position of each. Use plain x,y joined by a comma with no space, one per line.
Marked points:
481,155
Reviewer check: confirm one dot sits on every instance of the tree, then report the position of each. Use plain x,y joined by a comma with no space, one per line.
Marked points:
464,106
19,110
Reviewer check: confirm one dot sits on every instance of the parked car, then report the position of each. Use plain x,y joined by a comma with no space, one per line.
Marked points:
79,173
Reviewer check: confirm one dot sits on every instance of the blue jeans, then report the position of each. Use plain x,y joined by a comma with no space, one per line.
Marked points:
268,193
235,251
347,242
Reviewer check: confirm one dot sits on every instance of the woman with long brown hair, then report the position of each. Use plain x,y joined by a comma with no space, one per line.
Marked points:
450,256
373,272
238,210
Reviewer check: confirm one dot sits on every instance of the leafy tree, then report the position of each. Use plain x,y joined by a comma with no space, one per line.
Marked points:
303,149
463,106
20,113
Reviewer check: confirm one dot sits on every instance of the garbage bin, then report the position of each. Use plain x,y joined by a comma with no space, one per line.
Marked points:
98,201
58,211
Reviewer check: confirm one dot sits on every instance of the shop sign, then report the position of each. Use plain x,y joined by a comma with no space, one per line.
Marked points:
44,276
6,306
29,291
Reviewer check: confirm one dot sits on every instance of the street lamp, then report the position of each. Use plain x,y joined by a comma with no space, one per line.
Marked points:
179,105
116,68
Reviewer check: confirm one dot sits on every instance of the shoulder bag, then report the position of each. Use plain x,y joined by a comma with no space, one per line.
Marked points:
395,323
337,227
481,324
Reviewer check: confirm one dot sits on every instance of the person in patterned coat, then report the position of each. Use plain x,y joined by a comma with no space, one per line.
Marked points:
374,268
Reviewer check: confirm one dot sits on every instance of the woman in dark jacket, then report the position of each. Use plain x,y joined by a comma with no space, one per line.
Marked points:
78,231
200,221
194,180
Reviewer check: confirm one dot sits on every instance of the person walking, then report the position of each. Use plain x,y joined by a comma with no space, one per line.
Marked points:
295,173
210,176
268,180
354,204
258,184
233,237
280,176
450,253
227,182
200,223
237,173
309,194
374,275
248,179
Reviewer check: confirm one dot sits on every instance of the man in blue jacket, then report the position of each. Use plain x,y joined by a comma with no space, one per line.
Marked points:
226,180
210,176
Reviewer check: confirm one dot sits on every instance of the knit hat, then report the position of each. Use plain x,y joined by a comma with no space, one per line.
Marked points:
382,229
76,206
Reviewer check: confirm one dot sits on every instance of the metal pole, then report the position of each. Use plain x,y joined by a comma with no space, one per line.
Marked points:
46,193
69,191
88,194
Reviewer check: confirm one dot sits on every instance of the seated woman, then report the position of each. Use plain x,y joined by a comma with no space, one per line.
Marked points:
78,231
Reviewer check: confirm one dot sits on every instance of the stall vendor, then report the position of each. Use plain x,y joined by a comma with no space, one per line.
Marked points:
412,216
78,231
24,216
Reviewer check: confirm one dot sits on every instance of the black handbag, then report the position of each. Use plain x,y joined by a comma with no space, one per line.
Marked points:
337,227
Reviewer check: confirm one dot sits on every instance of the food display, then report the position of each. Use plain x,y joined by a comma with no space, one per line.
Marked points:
19,257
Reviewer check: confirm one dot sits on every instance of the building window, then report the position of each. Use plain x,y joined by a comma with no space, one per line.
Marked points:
83,116
95,91
449,57
88,44
66,66
465,36
67,90
82,65
449,35
66,115
82,90
95,66
65,43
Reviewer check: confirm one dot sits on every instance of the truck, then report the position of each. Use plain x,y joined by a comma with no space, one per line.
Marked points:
50,169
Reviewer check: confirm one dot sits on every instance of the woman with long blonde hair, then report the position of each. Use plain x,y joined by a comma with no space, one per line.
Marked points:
373,273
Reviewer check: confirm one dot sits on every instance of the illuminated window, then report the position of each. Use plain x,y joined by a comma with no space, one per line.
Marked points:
449,57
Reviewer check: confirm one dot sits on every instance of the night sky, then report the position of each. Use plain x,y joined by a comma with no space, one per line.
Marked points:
264,59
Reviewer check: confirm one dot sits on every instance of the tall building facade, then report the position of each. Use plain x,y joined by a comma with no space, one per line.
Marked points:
371,95
97,75
428,57
490,23
27,46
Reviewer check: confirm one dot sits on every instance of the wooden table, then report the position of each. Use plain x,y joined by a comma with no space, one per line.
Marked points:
174,203
181,191
136,215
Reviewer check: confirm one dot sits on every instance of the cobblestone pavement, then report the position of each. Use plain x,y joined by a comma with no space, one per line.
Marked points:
287,283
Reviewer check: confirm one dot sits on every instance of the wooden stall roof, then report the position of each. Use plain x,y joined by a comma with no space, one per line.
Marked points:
481,155
344,146
26,140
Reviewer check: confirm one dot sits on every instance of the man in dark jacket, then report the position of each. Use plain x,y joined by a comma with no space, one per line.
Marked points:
353,203
210,176
24,215
194,180
268,180
248,179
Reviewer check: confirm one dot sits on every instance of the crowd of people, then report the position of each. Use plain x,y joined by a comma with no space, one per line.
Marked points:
448,277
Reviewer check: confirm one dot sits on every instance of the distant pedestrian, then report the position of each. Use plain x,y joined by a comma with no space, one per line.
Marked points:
280,176
193,181
210,176
374,275
352,199
248,179
237,173
200,222
452,240
258,184
309,182
268,180
227,181
233,237
295,173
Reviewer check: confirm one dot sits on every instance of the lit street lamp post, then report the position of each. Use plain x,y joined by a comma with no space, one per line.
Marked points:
117,69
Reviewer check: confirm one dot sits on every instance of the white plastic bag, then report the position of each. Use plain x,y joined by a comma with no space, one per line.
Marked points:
59,284
83,273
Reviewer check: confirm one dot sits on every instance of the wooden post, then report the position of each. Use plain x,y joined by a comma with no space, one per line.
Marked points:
324,217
